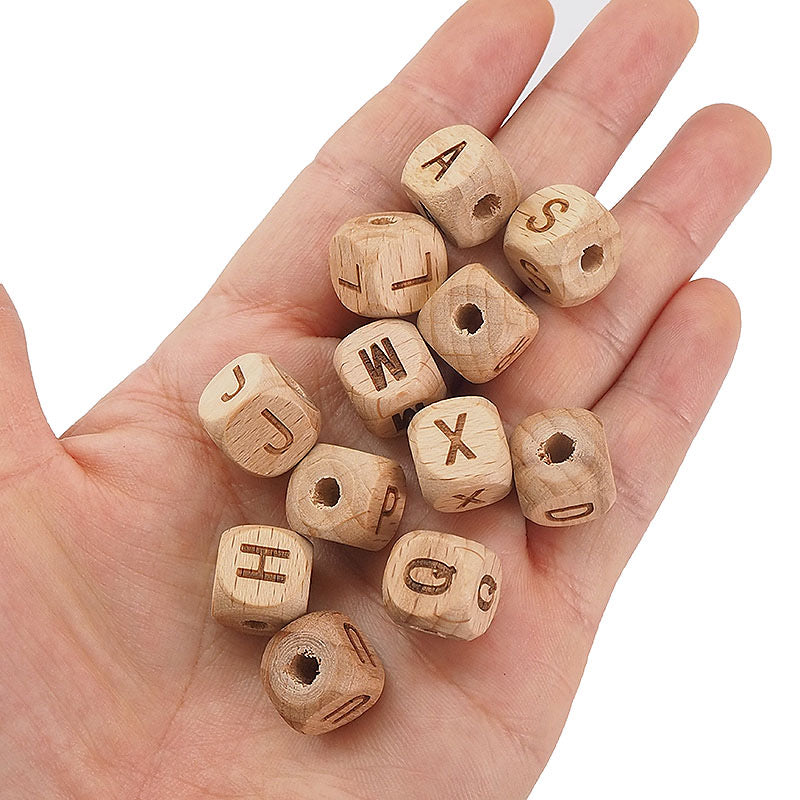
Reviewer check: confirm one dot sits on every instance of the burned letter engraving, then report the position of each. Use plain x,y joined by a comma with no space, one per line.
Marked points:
347,709
263,553
550,218
380,359
420,279
445,160
286,434
456,444
357,641
486,589
356,287
388,507
239,375
570,512
439,571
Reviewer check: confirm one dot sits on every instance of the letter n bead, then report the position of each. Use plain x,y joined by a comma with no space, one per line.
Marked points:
442,584
563,245
262,578
259,416
562,467
320,672
460,180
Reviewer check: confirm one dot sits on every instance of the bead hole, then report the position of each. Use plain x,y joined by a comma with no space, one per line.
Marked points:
468,318
255,624
385,220
327,493
304,668
487,207
557,449
592,258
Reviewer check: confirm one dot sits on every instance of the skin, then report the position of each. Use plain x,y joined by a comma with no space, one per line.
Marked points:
115,680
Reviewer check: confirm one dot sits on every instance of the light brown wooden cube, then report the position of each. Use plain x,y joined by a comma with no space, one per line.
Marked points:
562,467
563,245
387,265
442,584
477,324
461,181
259,416
262,578
461,454
346,496
389,374
320,672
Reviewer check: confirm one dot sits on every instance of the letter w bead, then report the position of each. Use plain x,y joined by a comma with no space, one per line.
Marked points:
263,553
380,359
456,444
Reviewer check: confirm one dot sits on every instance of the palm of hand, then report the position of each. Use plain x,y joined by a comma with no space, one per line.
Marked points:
117,682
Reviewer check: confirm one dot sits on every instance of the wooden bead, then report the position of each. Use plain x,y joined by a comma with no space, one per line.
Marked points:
259,416
442,584
461,454
460,180
262,578
563,245
346,496
562,467
477,324
320,672
387,265
389,374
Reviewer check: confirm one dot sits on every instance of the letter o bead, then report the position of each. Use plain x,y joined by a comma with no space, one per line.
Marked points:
320,672
387,265
259,416
563,245
442,584
562,468
262,578
461,181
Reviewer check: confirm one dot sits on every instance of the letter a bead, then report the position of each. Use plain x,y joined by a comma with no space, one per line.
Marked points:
320,672
442,584
259,416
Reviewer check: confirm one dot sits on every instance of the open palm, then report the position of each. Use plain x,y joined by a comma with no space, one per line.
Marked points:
116,682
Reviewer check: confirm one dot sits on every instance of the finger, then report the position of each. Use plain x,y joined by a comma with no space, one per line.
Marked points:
671,220
651,416
472,70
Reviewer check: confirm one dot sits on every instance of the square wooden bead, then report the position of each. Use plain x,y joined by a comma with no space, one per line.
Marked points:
259,416
461,454
477,324
563,245
321,672
461,181
389,374
562,468
442,584
387,265
262,578
346,496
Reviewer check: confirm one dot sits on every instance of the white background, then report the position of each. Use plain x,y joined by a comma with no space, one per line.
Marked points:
141,142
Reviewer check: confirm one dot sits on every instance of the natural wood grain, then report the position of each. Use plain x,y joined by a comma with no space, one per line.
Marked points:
346,496
461,181
262,578
321,672
477,324
562,467
388,264
442,584
389,374
563,245
259,416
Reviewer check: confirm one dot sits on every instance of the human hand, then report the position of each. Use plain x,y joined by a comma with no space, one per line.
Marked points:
115,680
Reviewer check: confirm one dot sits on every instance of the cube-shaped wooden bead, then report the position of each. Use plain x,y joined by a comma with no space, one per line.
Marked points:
320,672
461,454
387,265
389,374
563,245
442,584
460,180
346,496
259,416
562,468
477,324
262,578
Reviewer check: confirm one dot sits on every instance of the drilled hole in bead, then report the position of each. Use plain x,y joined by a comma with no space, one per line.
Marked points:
255,624
468,318
384,220
487,207
557,449
592,258
327,493
304,668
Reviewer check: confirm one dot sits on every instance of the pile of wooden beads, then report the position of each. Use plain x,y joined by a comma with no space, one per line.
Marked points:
318,669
